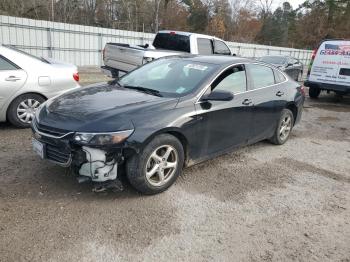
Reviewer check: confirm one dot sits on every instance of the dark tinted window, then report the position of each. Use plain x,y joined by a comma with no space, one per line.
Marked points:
277,60
172,42
6,65
221,48
261,75
233,80
344,71
279,77
204,46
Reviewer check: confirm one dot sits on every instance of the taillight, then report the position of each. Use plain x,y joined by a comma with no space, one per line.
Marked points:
313,55
76,76
302,90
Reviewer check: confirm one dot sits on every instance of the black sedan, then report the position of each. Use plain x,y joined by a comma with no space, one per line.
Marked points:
292,66
165,115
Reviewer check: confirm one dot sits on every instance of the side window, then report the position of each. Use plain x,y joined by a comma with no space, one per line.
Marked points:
261,75
6,65
279,77
204,46
221,48
233,80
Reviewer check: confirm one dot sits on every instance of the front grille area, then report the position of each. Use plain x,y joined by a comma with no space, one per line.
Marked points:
56,154
50,130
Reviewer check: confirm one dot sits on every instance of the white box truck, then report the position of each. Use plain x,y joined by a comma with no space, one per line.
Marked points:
330,68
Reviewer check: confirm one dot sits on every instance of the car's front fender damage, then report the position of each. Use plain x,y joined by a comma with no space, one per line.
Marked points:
99,166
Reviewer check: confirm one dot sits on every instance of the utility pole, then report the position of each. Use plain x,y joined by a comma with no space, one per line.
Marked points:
52,11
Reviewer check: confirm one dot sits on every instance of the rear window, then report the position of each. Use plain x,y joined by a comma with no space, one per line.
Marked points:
261,76
279,77
279,60
173,42
6,64
27,54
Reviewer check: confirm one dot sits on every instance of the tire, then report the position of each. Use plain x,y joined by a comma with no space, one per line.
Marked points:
17,113
277,138
300,76
314,92
152,158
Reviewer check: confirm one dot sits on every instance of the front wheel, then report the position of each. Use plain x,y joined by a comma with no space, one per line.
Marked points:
156,168
284,128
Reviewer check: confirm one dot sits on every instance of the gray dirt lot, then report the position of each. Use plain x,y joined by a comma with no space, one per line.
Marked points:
260,203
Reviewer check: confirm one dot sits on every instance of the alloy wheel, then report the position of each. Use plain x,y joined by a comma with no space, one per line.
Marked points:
26,110
285,128
161,165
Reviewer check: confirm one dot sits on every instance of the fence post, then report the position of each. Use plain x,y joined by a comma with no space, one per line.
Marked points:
49,42
99,49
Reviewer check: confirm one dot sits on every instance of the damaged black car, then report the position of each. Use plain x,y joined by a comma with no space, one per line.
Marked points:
166,115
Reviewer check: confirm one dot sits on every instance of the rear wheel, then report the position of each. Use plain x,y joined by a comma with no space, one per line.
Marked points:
22,110
156,168
284,128
314,92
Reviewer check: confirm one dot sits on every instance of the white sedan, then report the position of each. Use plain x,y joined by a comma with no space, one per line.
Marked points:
26,81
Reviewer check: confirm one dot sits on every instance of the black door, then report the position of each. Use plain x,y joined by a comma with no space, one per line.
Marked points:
264,95
226,124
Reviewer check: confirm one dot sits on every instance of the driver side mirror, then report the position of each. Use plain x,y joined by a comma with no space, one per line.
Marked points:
218,95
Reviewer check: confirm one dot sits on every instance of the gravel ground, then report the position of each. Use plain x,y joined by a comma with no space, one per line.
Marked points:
260,203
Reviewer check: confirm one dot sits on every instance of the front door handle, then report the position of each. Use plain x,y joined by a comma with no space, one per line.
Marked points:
247,102
12,78
279,93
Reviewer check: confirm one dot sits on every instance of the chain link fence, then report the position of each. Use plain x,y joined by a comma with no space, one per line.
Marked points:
82,45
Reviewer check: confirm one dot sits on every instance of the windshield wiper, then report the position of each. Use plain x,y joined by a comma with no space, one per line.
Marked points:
144,90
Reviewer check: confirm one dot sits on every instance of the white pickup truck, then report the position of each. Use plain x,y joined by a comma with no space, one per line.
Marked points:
123,58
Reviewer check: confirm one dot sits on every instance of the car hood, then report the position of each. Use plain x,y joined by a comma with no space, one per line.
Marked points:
100,108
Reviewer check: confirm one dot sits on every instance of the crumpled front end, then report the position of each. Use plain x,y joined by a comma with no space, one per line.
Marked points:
98,166
95,164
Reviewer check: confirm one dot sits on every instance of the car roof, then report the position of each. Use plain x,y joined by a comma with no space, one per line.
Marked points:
277,56
187,34
217,59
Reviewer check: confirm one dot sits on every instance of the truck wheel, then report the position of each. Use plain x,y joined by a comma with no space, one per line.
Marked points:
22,109
156,168
284,128
314,92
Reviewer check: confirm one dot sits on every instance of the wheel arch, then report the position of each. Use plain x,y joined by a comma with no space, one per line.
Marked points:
176,132
27,93
292,107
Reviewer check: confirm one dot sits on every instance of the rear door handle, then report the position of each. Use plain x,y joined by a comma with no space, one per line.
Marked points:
247,102
279,93
12,78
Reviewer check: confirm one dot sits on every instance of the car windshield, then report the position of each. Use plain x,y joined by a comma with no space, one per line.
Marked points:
278,60
168,77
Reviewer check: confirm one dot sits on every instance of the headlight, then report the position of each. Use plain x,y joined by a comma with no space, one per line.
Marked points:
102,138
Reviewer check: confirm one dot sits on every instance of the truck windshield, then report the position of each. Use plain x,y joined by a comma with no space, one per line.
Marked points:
168,77
173,42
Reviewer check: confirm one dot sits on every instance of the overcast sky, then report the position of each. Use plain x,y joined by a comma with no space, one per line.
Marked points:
294,3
